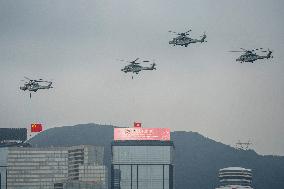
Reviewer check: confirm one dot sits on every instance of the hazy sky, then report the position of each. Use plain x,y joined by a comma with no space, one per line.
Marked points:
200,88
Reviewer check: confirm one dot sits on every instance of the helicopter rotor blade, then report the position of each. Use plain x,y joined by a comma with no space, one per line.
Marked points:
134,61
27,78
172,32
187,31
121,60
235,51
257,49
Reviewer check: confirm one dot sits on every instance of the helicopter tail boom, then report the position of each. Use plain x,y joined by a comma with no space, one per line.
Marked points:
152,67
49,85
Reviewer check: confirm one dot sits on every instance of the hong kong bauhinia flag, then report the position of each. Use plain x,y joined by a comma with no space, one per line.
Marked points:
137,124
36,127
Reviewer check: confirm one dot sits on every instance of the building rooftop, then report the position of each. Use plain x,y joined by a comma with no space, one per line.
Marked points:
234,169
142,143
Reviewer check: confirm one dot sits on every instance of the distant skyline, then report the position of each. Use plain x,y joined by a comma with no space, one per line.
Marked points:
200,88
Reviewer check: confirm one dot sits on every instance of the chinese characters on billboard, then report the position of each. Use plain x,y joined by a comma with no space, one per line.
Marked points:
142,134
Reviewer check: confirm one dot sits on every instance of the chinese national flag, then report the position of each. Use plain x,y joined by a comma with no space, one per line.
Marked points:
137,124
36,127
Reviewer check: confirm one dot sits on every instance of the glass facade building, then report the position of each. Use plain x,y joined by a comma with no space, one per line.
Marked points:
3,173
51,168
142,165
36,168
83,155
3,167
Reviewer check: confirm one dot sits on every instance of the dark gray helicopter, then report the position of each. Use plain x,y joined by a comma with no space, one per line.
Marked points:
33,85
251,56
134,66
183,40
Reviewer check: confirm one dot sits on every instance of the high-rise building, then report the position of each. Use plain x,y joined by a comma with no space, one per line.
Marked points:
50,168
3,177
83,155
36,168
93,173
3,167
75,184
235,178
142,163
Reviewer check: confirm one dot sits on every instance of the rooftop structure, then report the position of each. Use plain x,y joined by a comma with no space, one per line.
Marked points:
13,137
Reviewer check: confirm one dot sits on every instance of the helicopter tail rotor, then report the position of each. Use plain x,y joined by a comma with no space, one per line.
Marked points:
269,54
153,66
203,37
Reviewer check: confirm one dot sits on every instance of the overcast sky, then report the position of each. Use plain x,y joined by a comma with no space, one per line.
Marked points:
200,88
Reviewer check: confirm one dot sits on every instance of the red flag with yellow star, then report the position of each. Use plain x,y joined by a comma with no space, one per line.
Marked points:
36,127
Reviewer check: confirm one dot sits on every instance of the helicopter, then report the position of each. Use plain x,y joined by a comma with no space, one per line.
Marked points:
33,85
183,40
251,56
134,66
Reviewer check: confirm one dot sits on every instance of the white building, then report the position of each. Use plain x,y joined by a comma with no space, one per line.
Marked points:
235,178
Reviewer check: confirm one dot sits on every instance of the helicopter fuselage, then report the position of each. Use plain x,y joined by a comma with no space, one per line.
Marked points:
251,57
185,41
137,68
34,87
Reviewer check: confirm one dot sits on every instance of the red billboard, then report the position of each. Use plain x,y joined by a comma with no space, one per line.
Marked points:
141,134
